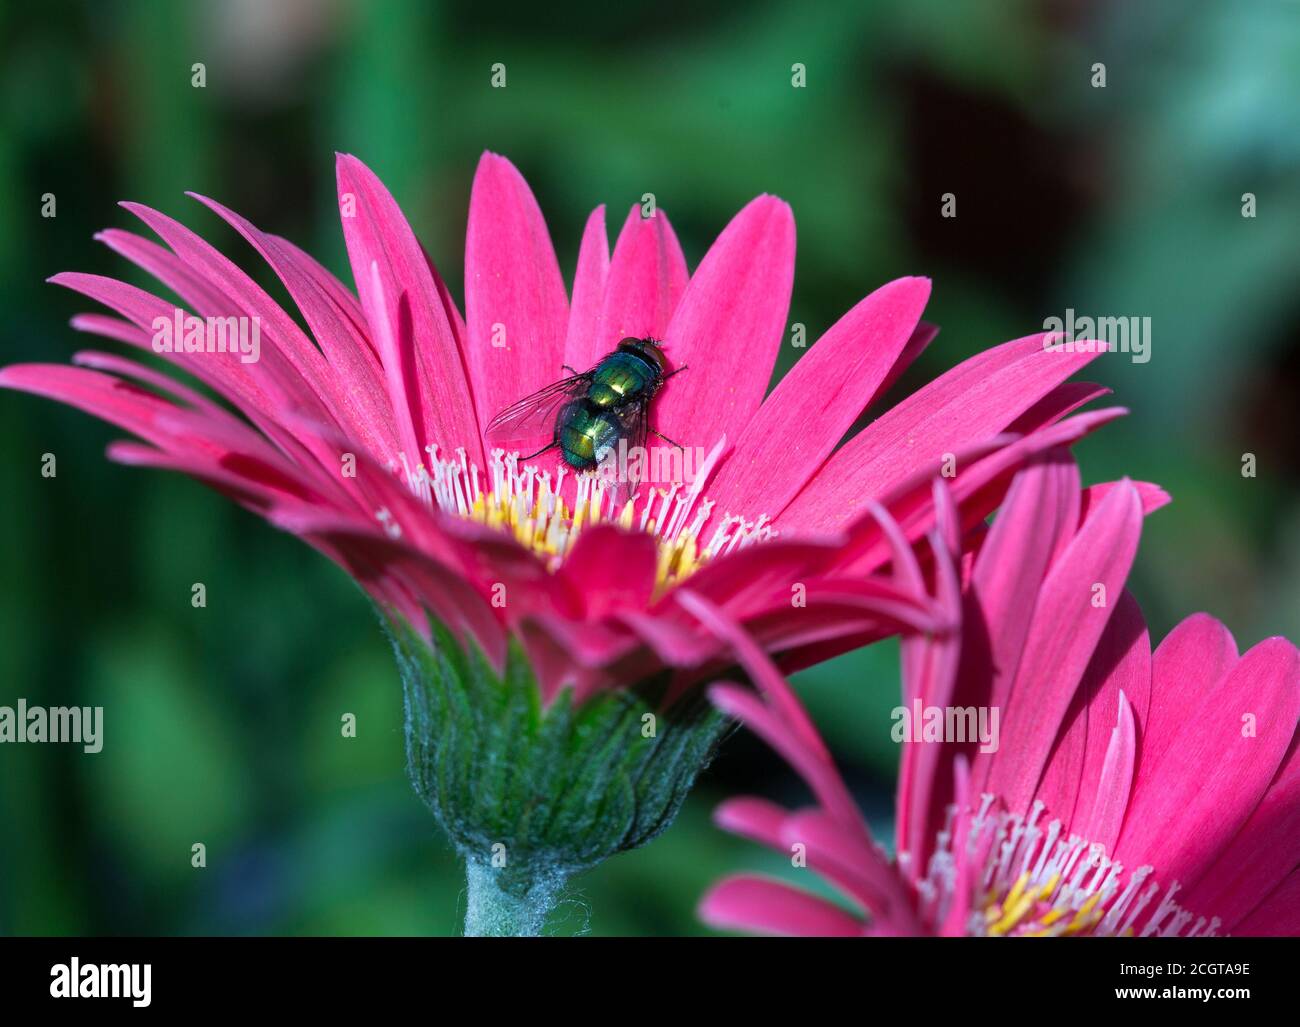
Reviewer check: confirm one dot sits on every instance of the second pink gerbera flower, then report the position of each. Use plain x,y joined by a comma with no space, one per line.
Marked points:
1129,792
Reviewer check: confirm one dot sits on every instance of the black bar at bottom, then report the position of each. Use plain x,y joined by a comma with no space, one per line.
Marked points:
588,977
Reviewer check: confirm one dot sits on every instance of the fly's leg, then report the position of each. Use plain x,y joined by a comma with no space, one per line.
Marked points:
675,445
554,444
544,449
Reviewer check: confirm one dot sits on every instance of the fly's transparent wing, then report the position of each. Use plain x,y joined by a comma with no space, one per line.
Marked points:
529,425
624,463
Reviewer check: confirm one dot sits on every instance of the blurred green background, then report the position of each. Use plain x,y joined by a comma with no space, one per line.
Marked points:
223,723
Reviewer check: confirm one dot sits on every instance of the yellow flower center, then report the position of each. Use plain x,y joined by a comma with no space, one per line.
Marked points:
525,502
1033,881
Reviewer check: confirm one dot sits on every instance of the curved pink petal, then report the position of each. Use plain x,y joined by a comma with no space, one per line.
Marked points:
755,574
345,345
728,327
611,569
1121,662
853,863
930,664
425,371
1217,767
588,294
811,408
143,413
306,377
764,676
1264,852
1185,669
1115,782
1062,400
1278,915
1153,496
924,334
752,903
124,368
976,399
265,391
441,588
1013,562
1054,660
756,819
674,644
1120,667
516,308
229,378
647,277
812,765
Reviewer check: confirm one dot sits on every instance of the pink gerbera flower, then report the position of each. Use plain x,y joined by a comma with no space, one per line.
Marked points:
364,435
1130,792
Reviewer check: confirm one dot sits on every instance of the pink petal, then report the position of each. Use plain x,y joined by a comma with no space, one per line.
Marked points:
305,377
1037,516
1214,772
594,656
1120,662
924,334
1115,781
264,392
251,486
809,761
1121,666
425,373
807,414
1055,658
446,593
1153,496
728,327
760,668
673,644
974,400
753,903
646,279
849,620
1062,400
1278,915
365,401
756,819
611,569
1262,854
930,665
516,308
1185,669
588,294
119,402
851,861
163,383
756,575
229,378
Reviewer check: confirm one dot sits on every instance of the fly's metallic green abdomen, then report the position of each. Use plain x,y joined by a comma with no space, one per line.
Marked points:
585,430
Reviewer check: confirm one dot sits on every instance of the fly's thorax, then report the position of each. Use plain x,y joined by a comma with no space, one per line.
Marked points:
620,378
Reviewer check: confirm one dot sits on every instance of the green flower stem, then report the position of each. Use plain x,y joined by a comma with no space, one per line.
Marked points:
498,908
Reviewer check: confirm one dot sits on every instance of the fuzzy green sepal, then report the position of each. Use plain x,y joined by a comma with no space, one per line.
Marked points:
530,794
